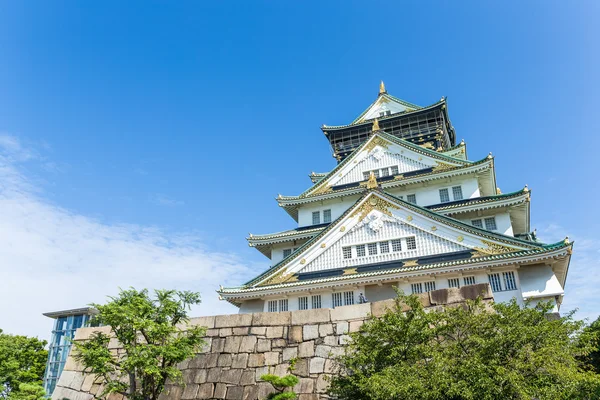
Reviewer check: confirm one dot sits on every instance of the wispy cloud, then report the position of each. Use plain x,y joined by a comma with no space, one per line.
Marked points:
164,200
53,258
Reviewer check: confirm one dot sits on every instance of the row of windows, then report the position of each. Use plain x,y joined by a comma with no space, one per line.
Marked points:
504,283
490,223
456,194
314,301
383,172
361,250
316,217
384,113
498,282
288,252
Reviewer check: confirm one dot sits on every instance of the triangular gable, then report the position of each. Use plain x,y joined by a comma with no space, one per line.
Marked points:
383,151
385,102
378,216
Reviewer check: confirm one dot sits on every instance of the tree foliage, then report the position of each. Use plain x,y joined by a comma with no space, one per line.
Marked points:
466,352
592,359
22,361
283,385
152,337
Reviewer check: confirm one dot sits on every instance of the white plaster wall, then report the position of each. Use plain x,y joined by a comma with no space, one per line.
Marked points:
503,222
378,159
539,281
277,249
383,105
326,298
430,194
338,207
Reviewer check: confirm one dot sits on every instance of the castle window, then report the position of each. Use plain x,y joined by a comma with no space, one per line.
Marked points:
372,249
385,172
326,216
366,175
316,216
457,193
411,243
469,280
337,299
509,280
272,306
396,245
495,282
416,288
283,305
394,170
429,286
348,298
347,252
444,196
303,303
411,198
315,301
287,253
360,250
477,223
384,247
388,112
454,283
376,173
490,224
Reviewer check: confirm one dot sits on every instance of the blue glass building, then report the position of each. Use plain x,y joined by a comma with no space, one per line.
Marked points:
65,324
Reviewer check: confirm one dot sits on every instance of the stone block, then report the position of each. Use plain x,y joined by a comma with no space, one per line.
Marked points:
258,330
306,396
248,344
301,367
275,331
200,376
248,377
189,392
271,319
471,292
356,311
188,376
263,345
77,381
316,316
325,330
205,347
212,332
271,358
256,360
322,351
310,332
71,364
173,392
424,299
316,365
322,383
259,391
233,321
295,334
185,364
341,328
205,391
214,375
86,333
289,353
260,372
345,339
330,340
220,391
224,360
88,382
305,385
232,344
355,325
281,369
306,349
379,308
225,332
240,360
218,345
278,343
211,360
207,322
66,393
330,366
241,331
337,351
66,378
231,376
235,393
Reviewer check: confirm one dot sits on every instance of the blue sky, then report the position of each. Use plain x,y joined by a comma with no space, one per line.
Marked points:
140,142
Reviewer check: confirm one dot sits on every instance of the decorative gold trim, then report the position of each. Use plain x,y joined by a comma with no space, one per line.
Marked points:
372,182
399,177
427,145
443,167
434,228
303,261
374,203
382,88
323,245
409,218
342,229
376,141
460,238
350,271
410,263
494,248
322,190
375,125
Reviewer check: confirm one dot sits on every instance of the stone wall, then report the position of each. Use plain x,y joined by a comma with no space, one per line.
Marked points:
241,348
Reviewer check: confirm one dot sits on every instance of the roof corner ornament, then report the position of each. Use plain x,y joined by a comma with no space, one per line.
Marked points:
498,191
462,142
372,183
526,188
567,240
490,156
375,125
279,196
382,88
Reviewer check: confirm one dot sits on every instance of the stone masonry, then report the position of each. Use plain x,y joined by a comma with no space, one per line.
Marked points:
240,348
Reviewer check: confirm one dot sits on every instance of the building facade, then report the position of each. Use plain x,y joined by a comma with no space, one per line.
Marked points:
65,324
404,208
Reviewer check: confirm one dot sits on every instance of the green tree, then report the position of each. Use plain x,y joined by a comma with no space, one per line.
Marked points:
592,333
466,352
153,336
29,391
283,385
22,361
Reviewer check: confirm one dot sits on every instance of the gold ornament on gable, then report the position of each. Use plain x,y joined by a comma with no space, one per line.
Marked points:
374,203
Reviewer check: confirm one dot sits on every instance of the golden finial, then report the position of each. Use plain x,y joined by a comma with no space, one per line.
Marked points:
526,188
567,240
375,125
490,155
498,191
462,142
382,88
372,183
